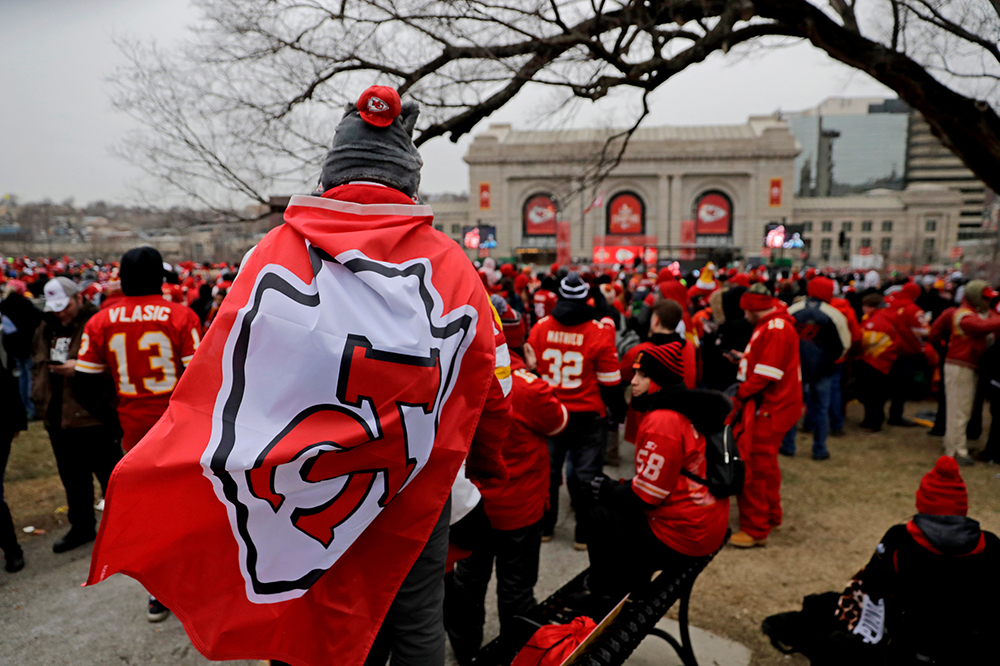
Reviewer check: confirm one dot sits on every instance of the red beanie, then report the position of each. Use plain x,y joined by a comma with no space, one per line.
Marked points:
942,491
741,280
513,328
665,274
912,290
821,288
758,297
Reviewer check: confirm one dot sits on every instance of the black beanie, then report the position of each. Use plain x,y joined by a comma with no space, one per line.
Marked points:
363,149
141,272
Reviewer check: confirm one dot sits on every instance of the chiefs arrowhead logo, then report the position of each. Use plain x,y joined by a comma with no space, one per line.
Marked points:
376,105
329,406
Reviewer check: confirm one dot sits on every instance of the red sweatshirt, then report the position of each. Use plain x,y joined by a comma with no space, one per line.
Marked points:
969,331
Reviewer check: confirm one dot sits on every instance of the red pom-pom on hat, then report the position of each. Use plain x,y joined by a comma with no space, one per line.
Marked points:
942,491
379,106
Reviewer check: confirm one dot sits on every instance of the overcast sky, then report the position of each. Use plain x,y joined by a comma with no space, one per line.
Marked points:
58,124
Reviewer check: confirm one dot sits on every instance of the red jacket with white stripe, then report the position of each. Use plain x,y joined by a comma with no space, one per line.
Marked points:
683,515
535,414
770,368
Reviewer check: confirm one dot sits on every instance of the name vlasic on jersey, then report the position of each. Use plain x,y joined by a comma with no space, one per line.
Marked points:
574,360
145,343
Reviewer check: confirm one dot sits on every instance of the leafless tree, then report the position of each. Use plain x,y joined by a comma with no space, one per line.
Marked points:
246,108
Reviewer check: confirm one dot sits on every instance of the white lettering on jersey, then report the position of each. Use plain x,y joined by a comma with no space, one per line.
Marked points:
147,313
565,337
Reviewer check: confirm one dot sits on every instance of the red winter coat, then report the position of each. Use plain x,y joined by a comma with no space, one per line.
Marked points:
771,370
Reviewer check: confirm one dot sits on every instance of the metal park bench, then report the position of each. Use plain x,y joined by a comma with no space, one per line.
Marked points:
621,627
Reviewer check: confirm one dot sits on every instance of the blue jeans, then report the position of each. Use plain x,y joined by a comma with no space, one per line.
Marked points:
24,367
817,393
837,399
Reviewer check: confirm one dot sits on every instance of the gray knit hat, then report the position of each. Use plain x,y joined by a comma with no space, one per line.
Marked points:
374,141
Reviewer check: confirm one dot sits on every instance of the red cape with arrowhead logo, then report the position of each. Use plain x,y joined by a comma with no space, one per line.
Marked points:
167,522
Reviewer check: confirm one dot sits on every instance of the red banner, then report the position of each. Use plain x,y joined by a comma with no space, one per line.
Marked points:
626,215
713,215
563,241
688,238
540,216
774,193
484,196
606,255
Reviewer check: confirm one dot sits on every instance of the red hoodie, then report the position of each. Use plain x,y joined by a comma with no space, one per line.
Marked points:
771,369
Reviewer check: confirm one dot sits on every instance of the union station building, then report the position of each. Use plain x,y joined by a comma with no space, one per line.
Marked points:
691,193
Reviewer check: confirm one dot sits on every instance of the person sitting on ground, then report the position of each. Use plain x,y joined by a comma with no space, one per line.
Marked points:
927,596
661,519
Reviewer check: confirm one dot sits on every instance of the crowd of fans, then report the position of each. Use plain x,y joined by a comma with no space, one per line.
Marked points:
657,358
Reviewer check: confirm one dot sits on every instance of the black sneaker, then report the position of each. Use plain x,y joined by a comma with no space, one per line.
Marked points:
788,454
14,563
73,539
155,611
821,456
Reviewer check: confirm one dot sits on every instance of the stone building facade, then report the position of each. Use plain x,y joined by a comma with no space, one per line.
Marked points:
692,193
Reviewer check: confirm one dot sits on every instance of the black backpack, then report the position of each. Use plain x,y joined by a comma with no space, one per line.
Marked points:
724,468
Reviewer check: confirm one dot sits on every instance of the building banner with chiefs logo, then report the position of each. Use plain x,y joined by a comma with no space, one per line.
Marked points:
312,442
713,215
774,193
626,215
540,213
606,255
484,196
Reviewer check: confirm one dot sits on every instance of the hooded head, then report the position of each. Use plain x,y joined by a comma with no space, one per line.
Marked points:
374,142
141,272
978,294
821,288
942,491
912,290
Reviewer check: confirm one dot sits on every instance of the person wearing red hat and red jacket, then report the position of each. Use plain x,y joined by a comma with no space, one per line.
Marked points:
927,595
880,343
911,324
514,507
770,376
972,324
661,519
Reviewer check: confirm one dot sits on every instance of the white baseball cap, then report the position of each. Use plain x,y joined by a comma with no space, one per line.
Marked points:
58,293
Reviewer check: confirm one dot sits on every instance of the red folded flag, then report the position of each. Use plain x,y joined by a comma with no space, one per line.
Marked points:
310,446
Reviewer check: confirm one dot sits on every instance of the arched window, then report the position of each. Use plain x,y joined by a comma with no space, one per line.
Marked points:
626,215
538,217
713,214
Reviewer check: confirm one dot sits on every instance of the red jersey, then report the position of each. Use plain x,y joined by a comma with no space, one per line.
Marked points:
879,340
146,342
574,360
535,414
685,516
770,368
970,333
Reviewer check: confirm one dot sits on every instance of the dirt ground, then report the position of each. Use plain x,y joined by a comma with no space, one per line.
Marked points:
835,513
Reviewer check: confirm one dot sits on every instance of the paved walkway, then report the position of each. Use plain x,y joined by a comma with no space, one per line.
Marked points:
47,618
